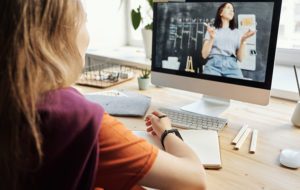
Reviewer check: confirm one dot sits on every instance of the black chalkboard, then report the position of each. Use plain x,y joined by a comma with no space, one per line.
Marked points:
180,32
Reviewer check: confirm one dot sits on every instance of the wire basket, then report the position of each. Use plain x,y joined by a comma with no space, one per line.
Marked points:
103,75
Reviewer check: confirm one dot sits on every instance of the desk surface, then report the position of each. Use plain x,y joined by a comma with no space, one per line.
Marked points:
240,170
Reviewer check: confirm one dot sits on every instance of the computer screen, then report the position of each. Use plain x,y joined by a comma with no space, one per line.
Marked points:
220,43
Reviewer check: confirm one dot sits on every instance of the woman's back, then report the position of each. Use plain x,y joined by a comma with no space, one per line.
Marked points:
69,126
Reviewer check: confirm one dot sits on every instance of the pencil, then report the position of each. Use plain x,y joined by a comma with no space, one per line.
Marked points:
241,132
253,141
297,80
242,139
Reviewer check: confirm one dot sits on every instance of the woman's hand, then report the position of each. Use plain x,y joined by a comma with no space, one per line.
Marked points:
247,35
211,31
155,125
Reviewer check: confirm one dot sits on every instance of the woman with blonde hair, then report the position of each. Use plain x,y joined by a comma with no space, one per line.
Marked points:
51,137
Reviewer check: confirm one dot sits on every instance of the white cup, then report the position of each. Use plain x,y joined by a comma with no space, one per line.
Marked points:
296,115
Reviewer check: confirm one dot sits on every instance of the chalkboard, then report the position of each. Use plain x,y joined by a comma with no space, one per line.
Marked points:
180,32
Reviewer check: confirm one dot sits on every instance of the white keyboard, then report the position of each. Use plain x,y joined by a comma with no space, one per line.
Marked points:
188,120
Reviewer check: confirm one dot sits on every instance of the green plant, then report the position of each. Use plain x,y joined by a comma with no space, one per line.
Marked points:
145,73
136,17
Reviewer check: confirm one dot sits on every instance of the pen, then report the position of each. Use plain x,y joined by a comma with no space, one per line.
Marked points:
162,116
297,80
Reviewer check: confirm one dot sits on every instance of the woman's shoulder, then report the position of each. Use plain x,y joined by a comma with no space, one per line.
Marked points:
66,97
68,103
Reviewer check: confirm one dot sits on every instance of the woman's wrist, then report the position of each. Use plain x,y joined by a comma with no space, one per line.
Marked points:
160,133
243,42
167,133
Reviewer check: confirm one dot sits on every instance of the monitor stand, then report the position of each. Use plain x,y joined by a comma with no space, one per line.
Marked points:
208,105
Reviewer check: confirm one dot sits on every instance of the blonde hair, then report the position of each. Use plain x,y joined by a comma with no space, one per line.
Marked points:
39,53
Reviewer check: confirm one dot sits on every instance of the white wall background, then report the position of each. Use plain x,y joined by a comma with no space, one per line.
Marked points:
110,27
106,23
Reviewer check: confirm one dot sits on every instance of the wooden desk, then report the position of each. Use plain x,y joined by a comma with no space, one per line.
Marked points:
241,170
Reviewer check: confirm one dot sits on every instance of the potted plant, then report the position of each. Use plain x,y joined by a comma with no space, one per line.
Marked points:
144,79
147,20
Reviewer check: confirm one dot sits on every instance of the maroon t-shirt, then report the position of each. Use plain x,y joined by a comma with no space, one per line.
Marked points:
70,125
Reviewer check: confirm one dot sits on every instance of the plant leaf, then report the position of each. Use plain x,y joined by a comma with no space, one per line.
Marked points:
149,26
136,18
150,3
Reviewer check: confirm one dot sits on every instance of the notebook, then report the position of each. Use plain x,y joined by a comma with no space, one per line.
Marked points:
205,144
121,102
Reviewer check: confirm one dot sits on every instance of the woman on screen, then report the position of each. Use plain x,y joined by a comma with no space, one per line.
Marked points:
224,45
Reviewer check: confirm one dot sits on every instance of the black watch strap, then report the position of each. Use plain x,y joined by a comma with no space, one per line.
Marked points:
166,132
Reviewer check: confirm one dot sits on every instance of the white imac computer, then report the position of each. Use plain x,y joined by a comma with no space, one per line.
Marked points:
223,50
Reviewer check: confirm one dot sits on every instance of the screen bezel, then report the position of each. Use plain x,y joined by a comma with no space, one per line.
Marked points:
271,52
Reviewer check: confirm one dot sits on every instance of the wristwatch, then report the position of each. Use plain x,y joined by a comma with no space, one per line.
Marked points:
166,132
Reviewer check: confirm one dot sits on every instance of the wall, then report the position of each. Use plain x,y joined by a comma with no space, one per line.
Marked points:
106,23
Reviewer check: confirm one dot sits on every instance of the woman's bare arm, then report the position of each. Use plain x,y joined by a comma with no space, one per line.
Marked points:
178,167
241,52
207,45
